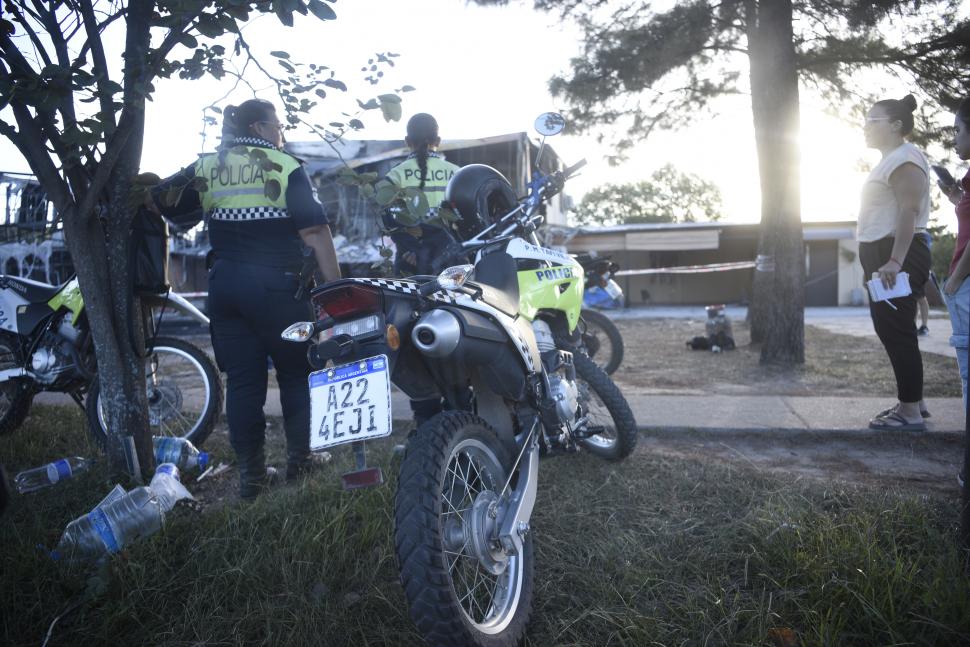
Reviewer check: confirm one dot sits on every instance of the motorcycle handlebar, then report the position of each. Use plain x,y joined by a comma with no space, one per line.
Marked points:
575,167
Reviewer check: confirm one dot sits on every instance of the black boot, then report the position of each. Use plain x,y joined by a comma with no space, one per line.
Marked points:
254,475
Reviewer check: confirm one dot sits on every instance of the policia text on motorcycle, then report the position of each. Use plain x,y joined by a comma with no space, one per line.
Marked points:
261,211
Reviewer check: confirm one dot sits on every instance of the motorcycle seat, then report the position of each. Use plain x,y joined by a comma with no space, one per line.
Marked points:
497,277
32,291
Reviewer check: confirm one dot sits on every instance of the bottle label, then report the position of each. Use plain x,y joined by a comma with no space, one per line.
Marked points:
100,522
168,468
58,470
167,450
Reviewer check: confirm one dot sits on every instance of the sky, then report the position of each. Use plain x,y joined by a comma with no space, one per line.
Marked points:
484,71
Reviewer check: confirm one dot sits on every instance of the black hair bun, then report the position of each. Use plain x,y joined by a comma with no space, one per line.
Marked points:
909,102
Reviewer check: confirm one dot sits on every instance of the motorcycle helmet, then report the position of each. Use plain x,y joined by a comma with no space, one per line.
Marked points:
480,195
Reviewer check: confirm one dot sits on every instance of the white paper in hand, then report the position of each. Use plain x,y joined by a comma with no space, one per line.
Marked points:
879,292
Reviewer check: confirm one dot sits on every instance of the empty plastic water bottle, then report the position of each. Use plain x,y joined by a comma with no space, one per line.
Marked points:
179,451
121,517
47,475
107,530
167,487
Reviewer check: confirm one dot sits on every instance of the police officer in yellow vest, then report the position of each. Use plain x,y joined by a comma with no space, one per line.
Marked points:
261,211
424,244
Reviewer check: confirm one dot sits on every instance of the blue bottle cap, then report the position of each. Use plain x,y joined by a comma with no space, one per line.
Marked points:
203,460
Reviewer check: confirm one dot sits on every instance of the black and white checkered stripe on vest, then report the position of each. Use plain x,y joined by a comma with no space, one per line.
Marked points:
248,213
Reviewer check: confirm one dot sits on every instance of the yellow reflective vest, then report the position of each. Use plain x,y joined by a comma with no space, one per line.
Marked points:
249,184
439,171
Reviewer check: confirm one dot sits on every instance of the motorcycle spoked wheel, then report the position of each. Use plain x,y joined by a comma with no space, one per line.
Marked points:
184,394
603,340
606,409
461,588
16,395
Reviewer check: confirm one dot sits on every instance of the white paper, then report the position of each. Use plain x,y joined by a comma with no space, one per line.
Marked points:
879,292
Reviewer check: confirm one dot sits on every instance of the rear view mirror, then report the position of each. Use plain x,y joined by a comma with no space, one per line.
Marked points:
550,123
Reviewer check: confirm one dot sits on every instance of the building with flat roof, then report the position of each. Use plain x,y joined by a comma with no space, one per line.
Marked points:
833,275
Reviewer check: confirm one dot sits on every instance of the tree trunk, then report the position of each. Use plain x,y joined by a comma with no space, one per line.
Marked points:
778,303
116,328
99,243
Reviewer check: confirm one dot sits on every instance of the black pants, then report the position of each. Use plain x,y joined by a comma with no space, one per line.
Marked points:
897,328
249,306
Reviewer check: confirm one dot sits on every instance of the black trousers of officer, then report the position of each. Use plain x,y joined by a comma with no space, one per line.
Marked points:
249,306
896,328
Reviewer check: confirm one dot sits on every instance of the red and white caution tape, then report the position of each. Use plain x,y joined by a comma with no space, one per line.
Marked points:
690,269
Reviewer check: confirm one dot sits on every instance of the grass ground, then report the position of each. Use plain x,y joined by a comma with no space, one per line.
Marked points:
656,550
834,364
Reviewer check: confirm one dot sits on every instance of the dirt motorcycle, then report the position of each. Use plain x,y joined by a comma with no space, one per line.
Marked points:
498,341
46,345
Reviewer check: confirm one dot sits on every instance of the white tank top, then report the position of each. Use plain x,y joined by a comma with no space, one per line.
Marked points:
879,211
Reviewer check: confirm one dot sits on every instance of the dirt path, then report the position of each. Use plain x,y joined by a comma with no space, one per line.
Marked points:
919,463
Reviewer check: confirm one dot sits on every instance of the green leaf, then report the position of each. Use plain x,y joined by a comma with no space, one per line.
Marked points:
370,105
272,189
320,93
356,124
189,41
208,25
286,66
417,203
391,110
407,88
280,54
322,11
386,193
285,15
389,98
336,124
334,83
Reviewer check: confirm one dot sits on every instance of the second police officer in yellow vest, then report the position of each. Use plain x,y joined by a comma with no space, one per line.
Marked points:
261,211
424,243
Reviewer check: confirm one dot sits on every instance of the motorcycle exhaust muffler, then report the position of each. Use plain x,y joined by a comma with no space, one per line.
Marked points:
437,334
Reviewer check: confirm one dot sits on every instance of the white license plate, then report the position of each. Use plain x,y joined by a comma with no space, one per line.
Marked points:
350,402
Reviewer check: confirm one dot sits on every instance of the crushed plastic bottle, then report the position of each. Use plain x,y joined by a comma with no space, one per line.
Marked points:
123,519
44,476
107,530
179,451
167,486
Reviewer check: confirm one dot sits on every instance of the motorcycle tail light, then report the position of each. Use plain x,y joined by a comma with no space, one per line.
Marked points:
354,327
348,301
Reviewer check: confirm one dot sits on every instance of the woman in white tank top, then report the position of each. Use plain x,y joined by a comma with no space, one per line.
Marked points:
895,205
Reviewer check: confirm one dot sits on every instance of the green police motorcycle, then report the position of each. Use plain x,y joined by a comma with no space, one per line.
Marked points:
498,341
46,346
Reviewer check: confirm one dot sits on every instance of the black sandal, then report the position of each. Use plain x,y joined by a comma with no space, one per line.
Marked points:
882,423
925,413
